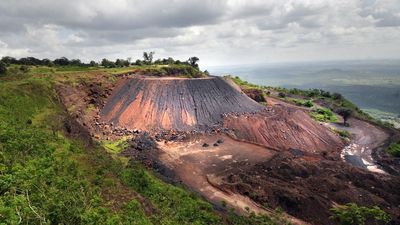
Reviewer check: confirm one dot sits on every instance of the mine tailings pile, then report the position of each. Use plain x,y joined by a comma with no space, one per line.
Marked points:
174,103
182,104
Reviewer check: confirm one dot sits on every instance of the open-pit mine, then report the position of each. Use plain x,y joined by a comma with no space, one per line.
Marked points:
210,136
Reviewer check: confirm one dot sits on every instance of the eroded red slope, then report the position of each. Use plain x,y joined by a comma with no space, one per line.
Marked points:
284,127
174,103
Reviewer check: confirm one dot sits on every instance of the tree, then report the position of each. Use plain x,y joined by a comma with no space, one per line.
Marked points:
337,96
93,63
75,62
138,62
63,61
47,62
107,63
3,68
29,61
346,114
9,60
148,57
119,63
193,61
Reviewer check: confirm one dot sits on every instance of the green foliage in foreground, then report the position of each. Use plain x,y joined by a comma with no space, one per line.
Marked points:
323,115
40,179
352,214
181,207
48,178
394,149
175,203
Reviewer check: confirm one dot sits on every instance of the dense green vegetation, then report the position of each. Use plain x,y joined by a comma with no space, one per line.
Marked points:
47,177
352,214
394,149
64,62
159,67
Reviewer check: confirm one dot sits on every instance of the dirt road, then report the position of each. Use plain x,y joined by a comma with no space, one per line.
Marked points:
365,138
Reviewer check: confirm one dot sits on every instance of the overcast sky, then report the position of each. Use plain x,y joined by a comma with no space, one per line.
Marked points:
218,32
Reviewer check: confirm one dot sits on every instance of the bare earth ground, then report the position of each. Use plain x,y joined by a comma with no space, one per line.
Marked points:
202,168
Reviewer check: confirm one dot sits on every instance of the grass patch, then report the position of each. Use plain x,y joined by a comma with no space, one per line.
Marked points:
177,206
323,115
342,133
244,84
301,102
117,146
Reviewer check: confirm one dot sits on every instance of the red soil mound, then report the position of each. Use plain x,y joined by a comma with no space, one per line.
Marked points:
174,103
284,127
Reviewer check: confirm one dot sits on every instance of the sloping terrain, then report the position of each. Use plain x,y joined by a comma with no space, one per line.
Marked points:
242,155
174,103
283,128
307,187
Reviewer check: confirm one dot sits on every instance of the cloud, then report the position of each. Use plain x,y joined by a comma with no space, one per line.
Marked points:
219,31
384,13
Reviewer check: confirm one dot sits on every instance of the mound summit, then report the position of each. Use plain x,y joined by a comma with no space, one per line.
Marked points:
180,104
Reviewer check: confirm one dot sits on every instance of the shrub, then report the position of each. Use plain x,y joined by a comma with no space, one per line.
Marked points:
24,68
308,104
281,95
394,149
323,115
351,213
342,133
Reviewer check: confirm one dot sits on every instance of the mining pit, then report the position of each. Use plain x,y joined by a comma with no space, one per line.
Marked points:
208,135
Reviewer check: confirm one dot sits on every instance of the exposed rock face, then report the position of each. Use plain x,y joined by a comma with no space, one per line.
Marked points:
174,103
